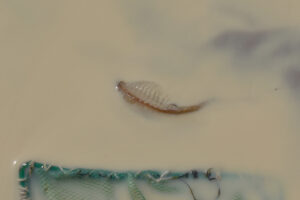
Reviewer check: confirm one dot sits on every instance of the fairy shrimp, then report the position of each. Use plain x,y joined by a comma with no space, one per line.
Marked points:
150,95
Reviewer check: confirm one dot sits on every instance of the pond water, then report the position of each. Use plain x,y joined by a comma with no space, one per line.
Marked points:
60,62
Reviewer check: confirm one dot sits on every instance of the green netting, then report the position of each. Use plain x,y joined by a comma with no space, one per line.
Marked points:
40,181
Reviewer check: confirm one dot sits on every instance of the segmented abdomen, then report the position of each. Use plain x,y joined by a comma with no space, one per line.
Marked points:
149,94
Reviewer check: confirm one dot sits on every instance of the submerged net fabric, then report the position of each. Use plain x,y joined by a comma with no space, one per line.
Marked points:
75,188
40,181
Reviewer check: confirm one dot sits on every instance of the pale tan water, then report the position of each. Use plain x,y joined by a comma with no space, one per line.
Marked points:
60,61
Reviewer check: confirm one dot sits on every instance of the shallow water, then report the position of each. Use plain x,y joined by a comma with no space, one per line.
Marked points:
60,62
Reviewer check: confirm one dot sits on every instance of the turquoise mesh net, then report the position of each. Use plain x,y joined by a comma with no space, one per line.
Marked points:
39,181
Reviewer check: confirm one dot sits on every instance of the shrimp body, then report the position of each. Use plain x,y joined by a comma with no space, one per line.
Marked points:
149,94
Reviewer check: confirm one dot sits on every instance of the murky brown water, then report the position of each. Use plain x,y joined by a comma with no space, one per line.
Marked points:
60,61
